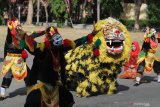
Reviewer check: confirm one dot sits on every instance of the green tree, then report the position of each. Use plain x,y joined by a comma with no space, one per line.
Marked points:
112,8
154,12
3,7
58,8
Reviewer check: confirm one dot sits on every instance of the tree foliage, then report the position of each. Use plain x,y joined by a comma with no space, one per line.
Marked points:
3,7
58,8
154,10
111,8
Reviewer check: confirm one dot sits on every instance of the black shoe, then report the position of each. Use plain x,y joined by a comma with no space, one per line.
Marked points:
136,84
2,98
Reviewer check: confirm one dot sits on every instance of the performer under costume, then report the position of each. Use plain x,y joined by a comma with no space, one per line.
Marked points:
130,67
46,79
93,67
15,54
147,60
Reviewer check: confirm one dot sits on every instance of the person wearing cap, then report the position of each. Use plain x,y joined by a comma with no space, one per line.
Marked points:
147,60
46,80
15,54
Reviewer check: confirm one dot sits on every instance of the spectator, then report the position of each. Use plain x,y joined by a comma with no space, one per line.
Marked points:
6,16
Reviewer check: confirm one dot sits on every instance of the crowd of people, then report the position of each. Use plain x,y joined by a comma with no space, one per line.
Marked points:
48,84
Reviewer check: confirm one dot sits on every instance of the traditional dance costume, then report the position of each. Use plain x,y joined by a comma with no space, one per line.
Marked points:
147,60
47,75
15,54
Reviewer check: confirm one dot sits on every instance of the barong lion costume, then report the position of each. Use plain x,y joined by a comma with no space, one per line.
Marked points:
93,67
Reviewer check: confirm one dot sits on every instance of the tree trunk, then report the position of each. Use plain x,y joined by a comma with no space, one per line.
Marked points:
98,9
45,8
83,9
68,11
30,13
45,4
38,9
138,4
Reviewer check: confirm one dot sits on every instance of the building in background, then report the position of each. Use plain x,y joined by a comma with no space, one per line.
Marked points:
129,10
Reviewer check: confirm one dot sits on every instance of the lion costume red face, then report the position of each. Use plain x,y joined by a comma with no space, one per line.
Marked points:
115,41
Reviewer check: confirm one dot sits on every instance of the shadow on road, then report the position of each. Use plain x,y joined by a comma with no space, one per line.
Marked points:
1,59
148,79
122,88
20,91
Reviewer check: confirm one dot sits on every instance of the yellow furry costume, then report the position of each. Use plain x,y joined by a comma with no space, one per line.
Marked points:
93,67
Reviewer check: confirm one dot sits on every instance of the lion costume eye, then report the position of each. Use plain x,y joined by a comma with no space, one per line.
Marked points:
111,35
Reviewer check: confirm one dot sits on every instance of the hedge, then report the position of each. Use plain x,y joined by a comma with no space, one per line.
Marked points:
143,23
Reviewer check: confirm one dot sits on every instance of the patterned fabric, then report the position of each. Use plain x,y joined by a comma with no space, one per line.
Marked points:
16,64
149,61
49,94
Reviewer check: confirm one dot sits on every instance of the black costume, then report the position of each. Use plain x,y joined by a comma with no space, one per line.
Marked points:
46,80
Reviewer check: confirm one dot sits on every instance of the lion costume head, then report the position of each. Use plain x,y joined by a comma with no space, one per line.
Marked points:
93,66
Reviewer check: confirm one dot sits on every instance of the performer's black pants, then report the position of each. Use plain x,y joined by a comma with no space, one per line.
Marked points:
33,99
7,80
156,67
